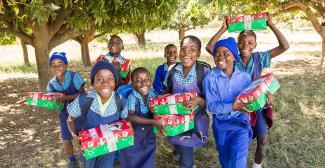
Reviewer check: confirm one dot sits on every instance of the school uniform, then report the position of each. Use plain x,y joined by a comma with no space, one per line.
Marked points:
142,154
231,129
261,120
185,142
71,85
160,75
97,114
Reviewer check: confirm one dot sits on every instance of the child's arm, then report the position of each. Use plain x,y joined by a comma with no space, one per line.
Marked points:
283,43
65,97
216,37
195,100
72,129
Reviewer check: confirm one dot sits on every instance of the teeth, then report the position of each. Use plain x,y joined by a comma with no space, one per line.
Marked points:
106,91
222,62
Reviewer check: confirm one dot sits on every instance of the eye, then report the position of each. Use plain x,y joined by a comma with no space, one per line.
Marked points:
99,80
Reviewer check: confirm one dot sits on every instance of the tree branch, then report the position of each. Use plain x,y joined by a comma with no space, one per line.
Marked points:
59,21
282,11
62,37
19,34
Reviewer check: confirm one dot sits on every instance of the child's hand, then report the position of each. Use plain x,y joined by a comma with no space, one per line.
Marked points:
238,106
62,98
269,20
224,26
270,97
76,139
160,125
190,105
151,108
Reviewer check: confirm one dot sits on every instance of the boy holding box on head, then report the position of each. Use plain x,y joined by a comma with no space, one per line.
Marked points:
253,63
70,84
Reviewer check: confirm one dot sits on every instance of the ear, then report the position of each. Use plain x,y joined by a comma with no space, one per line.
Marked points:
199,54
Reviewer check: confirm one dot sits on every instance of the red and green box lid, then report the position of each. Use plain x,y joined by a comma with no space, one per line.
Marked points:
105,134
174,120
170,99
247,22
258,88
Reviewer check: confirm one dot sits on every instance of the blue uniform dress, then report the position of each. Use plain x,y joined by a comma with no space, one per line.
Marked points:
185,142
257,62
94,118
160,75
142,154
70,86
232,131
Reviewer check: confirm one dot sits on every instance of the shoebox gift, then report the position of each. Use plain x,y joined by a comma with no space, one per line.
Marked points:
45,100
255,94
176,124
171,104
106,138
247,22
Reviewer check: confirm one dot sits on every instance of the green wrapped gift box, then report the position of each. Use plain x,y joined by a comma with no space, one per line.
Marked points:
176,124
255,94
45,100
247,22
168,109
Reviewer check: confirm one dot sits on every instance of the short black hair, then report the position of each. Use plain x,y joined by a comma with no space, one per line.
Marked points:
139,70
115,36
193,38
168,46
245,33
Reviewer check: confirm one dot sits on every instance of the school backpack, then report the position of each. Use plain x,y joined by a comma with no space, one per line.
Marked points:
199,75
87,103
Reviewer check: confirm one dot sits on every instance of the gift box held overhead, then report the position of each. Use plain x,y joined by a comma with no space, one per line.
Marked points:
176,124
255,94
171,104
45,100
247,22
106,138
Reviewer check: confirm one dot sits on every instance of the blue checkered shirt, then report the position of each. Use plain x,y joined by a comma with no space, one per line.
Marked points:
180,78
75,111
78,82
264,58
144,107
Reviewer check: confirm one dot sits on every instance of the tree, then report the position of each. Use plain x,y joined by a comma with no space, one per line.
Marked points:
314,11
189,14
53,22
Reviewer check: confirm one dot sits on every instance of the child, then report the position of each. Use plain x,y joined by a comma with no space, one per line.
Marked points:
70,84
100,106
115,46
222,85
161,72
253,64
142,154
187,77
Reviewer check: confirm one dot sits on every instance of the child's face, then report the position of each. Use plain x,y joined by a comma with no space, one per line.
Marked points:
224,58
104,83
171,55
142,83
58,67
115,45
246,45
189,52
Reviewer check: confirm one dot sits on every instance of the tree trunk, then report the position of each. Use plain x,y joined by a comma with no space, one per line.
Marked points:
85,53
181,34
25,52
42,50
323,49
140,38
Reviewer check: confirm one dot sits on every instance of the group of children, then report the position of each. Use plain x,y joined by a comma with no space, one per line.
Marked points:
217,90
